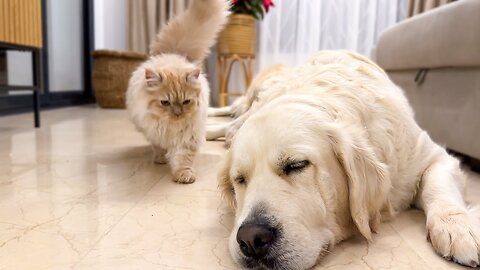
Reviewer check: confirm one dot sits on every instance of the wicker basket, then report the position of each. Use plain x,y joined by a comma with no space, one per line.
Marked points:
238,36
111,73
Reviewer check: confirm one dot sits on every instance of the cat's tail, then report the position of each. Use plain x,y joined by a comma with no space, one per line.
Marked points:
194,31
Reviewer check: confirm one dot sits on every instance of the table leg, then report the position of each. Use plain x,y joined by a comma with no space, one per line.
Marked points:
37,83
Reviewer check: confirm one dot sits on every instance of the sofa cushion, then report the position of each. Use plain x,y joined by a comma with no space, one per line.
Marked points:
448,36
446,105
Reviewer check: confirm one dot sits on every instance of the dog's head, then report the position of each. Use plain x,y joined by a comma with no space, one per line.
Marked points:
299,183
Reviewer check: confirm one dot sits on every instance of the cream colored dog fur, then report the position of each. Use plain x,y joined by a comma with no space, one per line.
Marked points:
328,149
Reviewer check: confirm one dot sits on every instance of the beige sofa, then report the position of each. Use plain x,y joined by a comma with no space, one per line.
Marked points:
435,58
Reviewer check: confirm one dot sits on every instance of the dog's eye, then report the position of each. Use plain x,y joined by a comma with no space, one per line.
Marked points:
186,102
296,166
165,102
240,179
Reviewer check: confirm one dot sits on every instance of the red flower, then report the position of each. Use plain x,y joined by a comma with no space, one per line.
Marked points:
267,4
235,1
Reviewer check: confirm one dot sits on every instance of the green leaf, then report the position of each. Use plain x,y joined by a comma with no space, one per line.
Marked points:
250,7
259,11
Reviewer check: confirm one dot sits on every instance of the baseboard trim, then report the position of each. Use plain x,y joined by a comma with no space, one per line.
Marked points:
466,160
21,103
475,165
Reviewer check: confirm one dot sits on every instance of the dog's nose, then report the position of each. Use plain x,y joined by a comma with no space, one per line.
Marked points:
255,239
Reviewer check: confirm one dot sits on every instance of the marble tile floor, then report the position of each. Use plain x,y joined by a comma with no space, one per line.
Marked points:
82,193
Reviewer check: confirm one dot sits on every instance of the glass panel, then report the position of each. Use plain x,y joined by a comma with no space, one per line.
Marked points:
65,46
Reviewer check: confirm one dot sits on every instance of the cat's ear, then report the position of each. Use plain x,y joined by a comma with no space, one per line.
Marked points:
152,78
193,75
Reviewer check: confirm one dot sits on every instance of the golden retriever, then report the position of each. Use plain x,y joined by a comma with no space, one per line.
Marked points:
327,149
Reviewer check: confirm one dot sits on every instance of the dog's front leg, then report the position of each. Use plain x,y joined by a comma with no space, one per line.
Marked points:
222,111
227,130
233,127
451,228
216,131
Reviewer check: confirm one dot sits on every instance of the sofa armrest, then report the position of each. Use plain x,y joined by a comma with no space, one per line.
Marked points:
447,36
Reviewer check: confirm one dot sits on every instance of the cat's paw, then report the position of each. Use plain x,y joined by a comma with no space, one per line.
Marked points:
184,177
160,159
159,155
455,236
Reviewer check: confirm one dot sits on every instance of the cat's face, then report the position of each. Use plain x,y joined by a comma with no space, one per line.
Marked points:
173,93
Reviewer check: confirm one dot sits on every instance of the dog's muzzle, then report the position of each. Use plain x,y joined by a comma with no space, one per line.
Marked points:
255,239
258,239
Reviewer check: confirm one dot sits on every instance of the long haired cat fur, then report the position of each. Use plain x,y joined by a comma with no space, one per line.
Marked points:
167,96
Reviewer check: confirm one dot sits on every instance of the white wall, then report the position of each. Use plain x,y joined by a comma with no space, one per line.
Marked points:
110,24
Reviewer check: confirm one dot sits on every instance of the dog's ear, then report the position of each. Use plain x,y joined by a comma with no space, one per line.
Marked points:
368,178
224,181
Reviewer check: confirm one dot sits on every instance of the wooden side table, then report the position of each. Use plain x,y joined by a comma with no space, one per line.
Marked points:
21,29
37,77
225,63
236,43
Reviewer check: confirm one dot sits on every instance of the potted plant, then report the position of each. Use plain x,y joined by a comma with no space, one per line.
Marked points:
239,35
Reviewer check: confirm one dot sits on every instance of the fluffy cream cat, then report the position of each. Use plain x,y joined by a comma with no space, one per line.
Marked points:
167,96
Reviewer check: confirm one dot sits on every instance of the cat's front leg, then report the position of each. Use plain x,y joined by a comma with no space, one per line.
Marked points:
181,162
159,155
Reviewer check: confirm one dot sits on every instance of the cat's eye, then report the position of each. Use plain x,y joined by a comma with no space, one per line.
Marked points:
240,179
165,102
295,166
186,102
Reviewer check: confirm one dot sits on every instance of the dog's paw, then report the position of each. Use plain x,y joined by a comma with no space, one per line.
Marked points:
214,132
455,236
229,136
211,112
186,176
